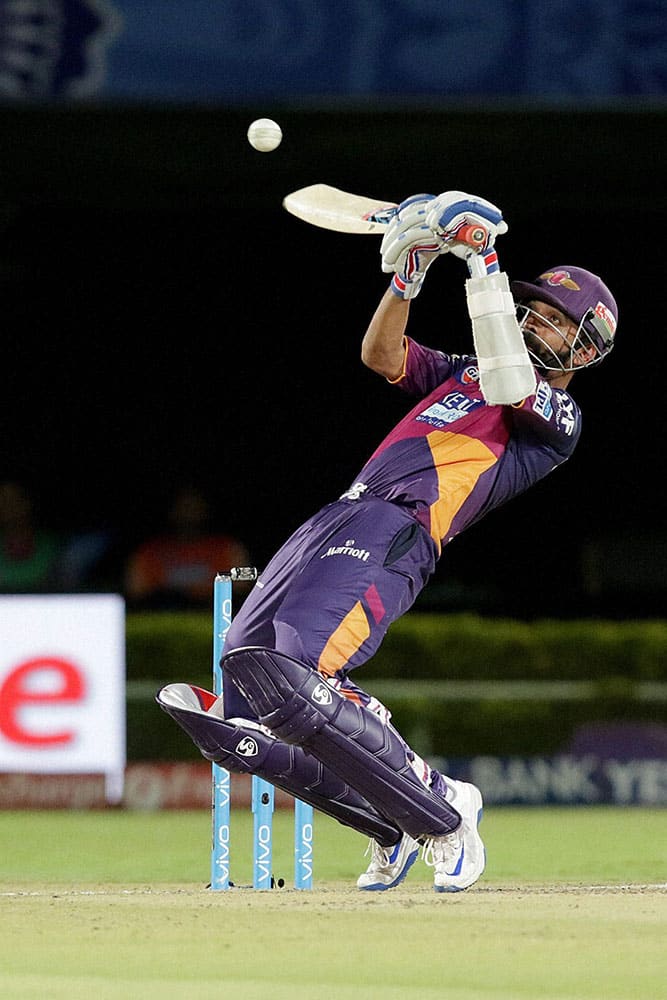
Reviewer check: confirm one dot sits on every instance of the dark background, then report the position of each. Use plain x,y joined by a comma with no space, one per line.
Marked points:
165,318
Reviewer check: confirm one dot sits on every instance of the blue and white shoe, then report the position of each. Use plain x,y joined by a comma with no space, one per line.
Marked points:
389,865
459,858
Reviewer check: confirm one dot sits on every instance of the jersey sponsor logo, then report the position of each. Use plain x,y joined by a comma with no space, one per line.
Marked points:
469,375
566,417
453,407
354,492
543,405
349,549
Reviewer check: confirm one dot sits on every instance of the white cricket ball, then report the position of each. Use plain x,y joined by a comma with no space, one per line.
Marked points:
265,135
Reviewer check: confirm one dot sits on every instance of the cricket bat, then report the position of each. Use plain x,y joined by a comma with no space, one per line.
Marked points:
330,208
506,371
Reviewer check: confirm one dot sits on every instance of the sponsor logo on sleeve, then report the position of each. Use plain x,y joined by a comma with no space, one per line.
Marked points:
470,374
566,417
543,404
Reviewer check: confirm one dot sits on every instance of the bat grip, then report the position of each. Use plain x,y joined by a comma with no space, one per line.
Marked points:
476,265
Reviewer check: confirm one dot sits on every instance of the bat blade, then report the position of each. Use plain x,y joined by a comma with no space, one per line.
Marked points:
330,208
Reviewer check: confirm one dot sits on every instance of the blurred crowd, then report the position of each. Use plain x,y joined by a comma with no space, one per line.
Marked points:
173,568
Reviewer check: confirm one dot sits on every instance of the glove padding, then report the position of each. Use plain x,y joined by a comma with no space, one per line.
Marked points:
409,246
464,222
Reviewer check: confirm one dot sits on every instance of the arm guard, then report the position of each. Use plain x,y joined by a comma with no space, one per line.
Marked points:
506,373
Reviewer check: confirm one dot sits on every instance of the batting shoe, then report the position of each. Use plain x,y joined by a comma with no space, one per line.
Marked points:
459,858
389,865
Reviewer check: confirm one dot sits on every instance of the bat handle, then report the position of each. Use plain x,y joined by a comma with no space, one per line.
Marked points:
476,265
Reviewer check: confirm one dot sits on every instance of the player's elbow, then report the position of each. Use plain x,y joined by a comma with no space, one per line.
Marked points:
388,364
373,358
368,356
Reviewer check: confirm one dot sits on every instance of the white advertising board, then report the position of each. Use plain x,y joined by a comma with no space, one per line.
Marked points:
62,686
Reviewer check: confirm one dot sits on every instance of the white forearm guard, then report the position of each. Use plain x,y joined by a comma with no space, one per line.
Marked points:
506,374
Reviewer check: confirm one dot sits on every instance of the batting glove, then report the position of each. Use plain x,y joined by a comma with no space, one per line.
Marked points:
409,246
465,222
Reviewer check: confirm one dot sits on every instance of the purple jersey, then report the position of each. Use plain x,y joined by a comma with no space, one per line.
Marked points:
330,593
453,458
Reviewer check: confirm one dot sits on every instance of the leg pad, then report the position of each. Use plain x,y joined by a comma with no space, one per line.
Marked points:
245,749
296,703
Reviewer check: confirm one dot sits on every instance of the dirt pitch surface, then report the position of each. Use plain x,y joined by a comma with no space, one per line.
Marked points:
501,942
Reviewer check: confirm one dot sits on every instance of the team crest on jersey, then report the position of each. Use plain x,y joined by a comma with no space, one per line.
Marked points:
454,406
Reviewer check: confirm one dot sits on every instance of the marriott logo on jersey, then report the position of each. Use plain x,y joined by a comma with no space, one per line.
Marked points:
451,408
348,549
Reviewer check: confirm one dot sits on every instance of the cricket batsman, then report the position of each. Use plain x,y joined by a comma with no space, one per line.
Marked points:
480,429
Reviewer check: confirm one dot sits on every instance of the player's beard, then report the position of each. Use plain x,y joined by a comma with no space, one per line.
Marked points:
545,358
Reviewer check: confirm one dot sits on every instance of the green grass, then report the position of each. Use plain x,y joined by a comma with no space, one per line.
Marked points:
111,904
524,847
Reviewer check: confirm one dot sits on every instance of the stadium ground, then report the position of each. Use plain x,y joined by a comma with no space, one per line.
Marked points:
110,904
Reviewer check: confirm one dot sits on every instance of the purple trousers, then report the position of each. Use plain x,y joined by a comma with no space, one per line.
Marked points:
332,590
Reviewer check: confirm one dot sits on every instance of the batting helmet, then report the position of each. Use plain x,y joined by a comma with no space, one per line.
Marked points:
582,296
